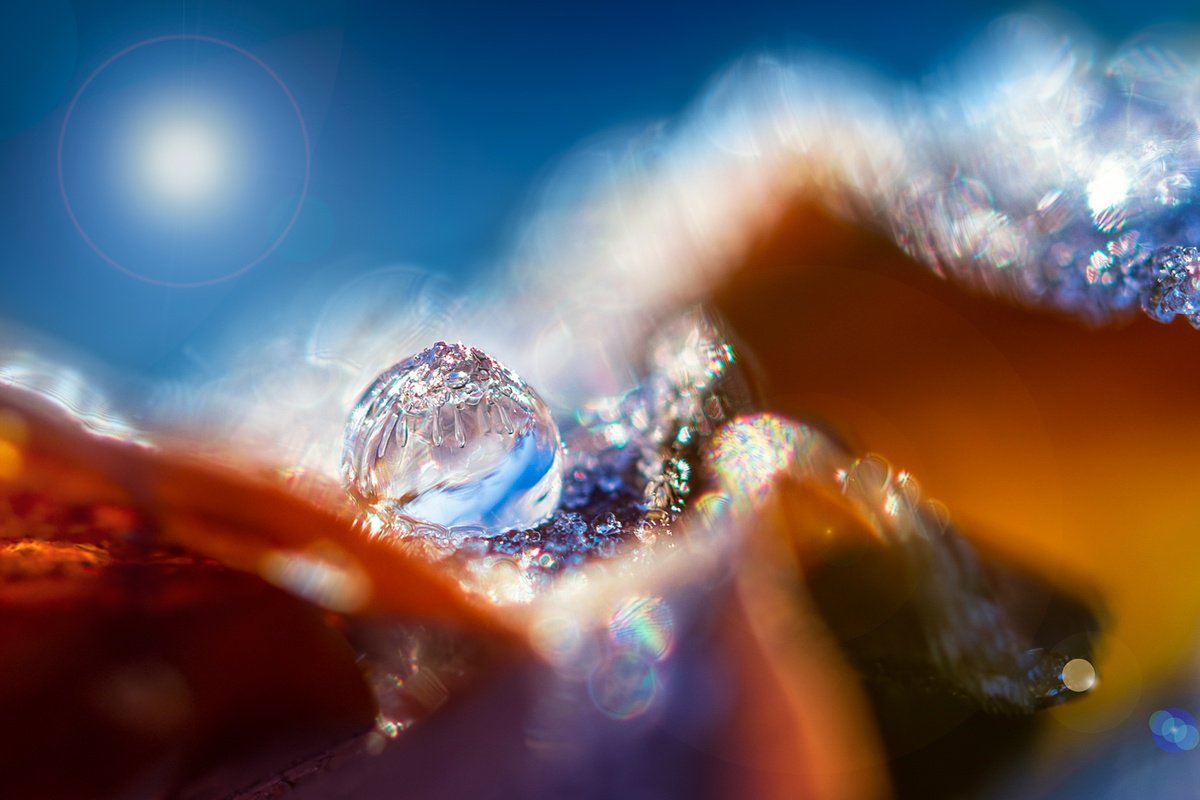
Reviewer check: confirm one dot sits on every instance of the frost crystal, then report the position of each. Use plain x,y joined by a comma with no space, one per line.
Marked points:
453,437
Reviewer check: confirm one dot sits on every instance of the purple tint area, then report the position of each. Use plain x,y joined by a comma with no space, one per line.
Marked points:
529,733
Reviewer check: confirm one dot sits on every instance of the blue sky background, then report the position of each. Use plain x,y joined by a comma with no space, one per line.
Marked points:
430,126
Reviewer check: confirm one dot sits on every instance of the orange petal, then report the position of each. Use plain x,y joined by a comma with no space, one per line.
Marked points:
1073,449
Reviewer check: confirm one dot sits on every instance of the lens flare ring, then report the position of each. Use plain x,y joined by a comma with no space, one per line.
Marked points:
301,195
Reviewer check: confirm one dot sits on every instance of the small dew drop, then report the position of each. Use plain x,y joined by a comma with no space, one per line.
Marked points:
1079,675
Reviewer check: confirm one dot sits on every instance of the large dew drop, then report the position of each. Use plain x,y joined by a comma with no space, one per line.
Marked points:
453,437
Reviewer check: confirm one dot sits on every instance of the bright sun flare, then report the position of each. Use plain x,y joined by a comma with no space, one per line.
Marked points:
184,161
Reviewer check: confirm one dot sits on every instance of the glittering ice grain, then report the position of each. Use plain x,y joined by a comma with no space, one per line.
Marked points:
453,437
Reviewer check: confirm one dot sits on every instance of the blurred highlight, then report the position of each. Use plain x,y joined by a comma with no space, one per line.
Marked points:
1174,730
324,575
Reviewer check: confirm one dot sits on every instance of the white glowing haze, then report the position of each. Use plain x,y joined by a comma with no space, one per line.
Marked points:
185,161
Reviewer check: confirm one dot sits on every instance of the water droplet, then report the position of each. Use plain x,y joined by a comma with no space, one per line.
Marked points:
450,436
1079,675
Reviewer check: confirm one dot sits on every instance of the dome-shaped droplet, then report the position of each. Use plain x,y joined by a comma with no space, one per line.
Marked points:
453,437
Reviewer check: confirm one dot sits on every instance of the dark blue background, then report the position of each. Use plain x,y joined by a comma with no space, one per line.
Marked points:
431,126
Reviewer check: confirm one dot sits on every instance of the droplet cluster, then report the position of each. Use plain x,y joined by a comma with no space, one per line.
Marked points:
1174,286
